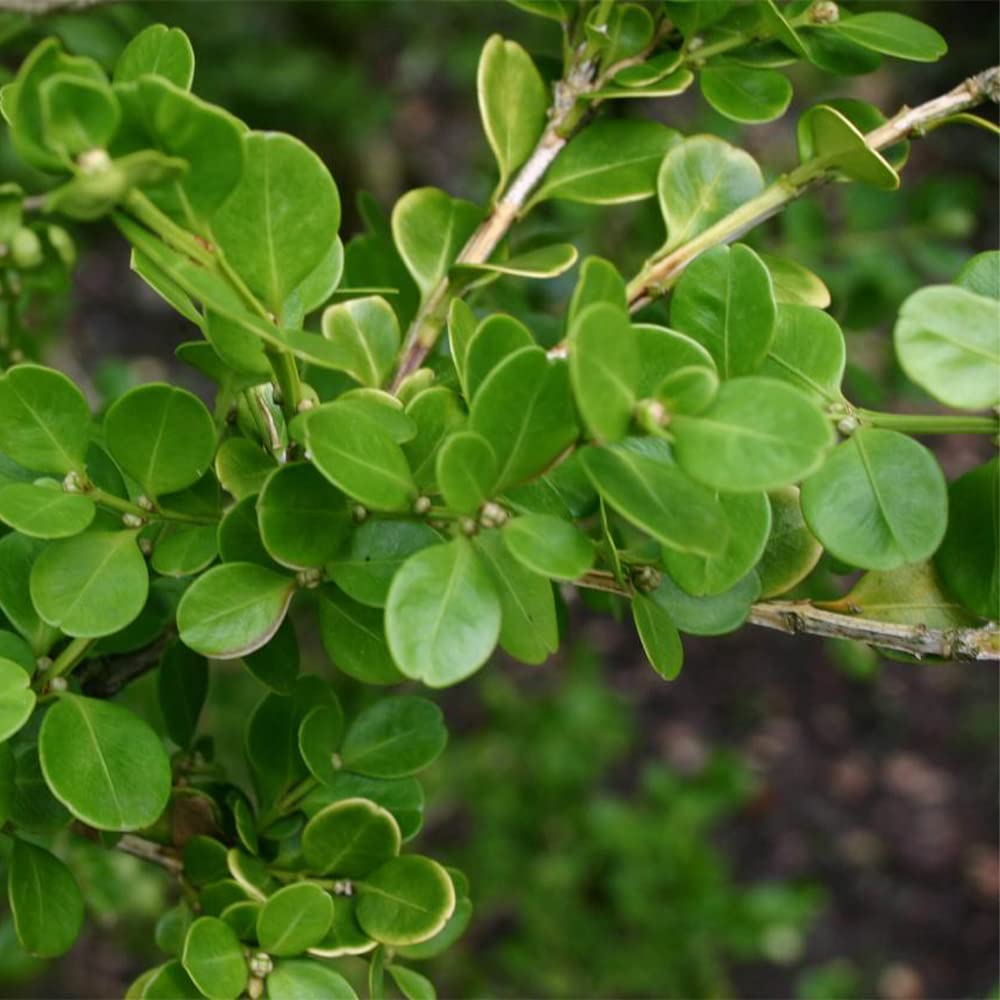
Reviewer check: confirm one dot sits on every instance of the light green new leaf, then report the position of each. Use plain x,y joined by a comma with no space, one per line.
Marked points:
608,162
948,341
879,501
668,85
294,918
350,838
213,958
826,134
233,609
242,467
745,94
496,338
774,18
437,413
44,420
411,984
663,351
461,329
45,512
45,901
545,262
513,101
394,737
443,614
688,390
981,274
162,436
320,735
429,228
701,180
808,351
604,368
792,551
466,471
78,115
599,281
17,700
158,50
725,300
403,797
357,455
104,764
893,34
407,900
300,978
795,284
92,584
660,639
368,331
758,434
550,546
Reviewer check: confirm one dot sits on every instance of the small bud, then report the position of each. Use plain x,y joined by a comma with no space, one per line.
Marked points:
359,513
647,578
144,502
306,404
492,515
847,426
276,397
468,526
58,684
824,12
309,579
336,761
421,505
343,887
146,547
261,964
94,161
255,988
43,663
72,484
696,43
133,520
558,352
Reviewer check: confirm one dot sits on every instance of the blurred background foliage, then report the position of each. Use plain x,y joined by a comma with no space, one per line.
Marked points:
790,817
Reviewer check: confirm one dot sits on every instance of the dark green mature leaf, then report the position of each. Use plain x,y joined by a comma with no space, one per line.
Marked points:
44,899
239,535
280,221
466,471
182,686
213,958
44,512
658,635
162,436
701,180
92,584
18,555
357,455
544,262
411,984
758,434
407,900
947,342
17,700
164,982
455,927
604,368
233,609
893,34
879,501
242,467
513,100
725,300
745,94
353,635
320,735
294,918
968,559
525,411
395,737
550,545
659,498
712,615
443,614
807,351
368,332
608,162
44,420
104,764
185,549
15,649
158,50
350,838
792,551
300,978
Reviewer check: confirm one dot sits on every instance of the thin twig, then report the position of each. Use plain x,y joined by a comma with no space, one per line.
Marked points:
106,676
147,850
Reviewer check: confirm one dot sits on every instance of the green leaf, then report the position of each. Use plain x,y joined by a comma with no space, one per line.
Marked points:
92,584
165,982
550,546
395,737
242,467
466,471
624,35
17,700
795,284
350,838
545,262
437,413
429,228
407,900
824,133
403,797
701,180
658,498
104,764
525,411
774,18
239,535
359,457
204,860
183,549
368,332
607,163
411,984
758,434
44,420
182,686
158,50
495,339
745,94
320,734
162,436
879,501
443,614
749,517
365,566
713,615
553,10
837,54
303,519
659,637
233,609
981,274
45,512
345,936
353,635
604,368
78,114
968,559
792,551
668,85
529,630
807,351
662,351
726,302
213,958
599,281
947,342
688,390
14,648
18,555
305,980
294,919
44,899
513,101
461,328
893,34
